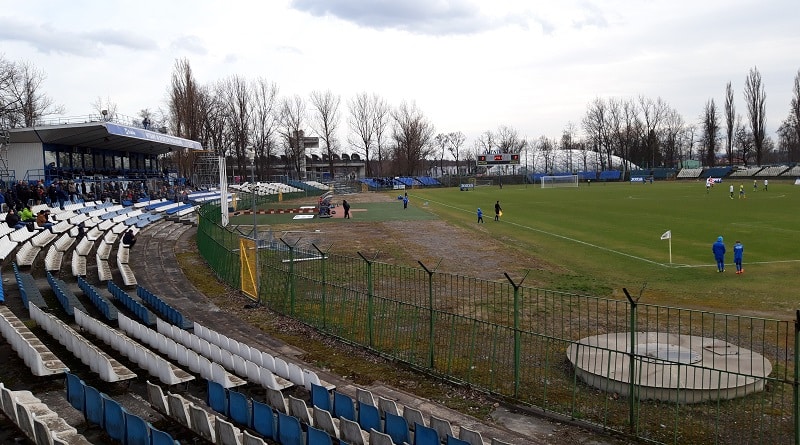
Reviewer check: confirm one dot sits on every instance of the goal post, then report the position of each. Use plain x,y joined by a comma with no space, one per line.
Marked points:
559,181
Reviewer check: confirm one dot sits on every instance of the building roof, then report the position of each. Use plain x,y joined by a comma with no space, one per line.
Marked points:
103,135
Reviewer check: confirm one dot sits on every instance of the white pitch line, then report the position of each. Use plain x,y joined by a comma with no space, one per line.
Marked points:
676,266
567,238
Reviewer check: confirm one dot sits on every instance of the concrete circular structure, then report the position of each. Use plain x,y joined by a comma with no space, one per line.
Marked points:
669,367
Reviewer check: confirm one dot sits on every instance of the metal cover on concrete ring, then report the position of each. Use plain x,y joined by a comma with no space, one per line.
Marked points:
669,367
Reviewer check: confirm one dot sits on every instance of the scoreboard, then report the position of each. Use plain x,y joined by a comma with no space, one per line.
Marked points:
498,159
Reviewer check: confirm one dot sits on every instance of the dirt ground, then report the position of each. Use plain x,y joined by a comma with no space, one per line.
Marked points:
454,249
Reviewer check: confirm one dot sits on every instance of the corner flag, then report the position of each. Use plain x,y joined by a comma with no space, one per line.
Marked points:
668,236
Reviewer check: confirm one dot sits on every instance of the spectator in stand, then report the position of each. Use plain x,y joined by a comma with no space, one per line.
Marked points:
129,239
26,215
41,220
13,221
81,231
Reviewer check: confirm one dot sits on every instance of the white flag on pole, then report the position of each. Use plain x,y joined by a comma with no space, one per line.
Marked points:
667,235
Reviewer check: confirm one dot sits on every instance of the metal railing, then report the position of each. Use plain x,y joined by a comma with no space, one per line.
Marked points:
514,341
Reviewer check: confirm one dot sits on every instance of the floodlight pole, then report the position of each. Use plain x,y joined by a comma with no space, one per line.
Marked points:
255,226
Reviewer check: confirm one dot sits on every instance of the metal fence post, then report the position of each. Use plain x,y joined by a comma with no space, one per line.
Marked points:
796,390
517,335
431,319
632,394
291,276
323,257
370,301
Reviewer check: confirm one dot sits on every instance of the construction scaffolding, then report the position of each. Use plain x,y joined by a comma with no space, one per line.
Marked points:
205,171
6,175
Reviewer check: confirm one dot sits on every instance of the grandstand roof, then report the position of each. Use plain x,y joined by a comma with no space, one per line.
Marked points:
103,135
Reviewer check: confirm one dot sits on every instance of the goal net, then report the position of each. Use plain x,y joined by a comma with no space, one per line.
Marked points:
559,181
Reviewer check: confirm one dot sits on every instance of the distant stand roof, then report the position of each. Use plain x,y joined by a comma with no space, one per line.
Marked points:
103,135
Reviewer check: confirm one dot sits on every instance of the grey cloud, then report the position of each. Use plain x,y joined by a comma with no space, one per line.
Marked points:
48,39
191,44
418,16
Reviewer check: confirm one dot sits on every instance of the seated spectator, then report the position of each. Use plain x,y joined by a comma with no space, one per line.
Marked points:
26,215
81,231
41,220
13,221
129,239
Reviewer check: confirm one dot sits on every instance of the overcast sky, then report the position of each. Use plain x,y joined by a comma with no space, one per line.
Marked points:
470,65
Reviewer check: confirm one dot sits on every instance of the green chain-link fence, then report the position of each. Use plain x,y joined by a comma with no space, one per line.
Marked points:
512,341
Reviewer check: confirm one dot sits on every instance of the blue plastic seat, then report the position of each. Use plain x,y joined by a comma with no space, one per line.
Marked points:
239,408
137,431
217,398
94,406
76,392
264,420
453,441
369,417
397,428
320,397
343,406
317,437
424,435
289,430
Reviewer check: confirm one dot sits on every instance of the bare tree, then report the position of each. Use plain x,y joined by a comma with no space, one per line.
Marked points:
789,131
22,99
755,97
546,150
744,140
454,142
689,138
672,130
485,143
440,141
710,131
625,130
33,102
381,116
105,108
189,104
730,121
596,125
795,105
264,123
508,140
362,129
292,122
653,114
9,103
234,96
325,121
412,134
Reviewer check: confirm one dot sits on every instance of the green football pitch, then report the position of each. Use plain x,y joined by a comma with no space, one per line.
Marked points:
609,235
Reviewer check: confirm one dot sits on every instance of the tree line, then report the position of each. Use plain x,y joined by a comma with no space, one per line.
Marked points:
244,119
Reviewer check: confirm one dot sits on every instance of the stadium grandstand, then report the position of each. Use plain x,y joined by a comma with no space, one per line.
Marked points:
768,171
